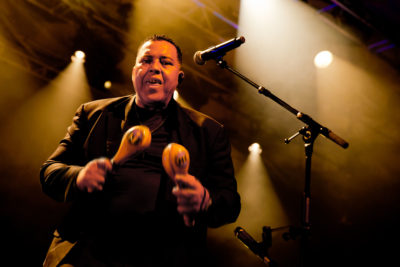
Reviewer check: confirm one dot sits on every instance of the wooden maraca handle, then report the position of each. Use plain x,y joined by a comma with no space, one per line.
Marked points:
176,160
136,139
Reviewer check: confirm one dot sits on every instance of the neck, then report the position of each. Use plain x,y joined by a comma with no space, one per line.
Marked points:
151,106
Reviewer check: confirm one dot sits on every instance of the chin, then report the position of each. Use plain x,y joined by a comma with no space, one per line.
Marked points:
155,99
156,103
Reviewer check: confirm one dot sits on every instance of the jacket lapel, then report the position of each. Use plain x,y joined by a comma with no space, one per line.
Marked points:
191,137
116,126
113,133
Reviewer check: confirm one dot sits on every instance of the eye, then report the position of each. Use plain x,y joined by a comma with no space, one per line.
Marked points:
166,62
146,60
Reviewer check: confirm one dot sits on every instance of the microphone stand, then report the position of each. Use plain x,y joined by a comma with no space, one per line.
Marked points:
309,132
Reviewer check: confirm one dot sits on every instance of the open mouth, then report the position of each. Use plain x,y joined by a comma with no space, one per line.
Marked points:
153,81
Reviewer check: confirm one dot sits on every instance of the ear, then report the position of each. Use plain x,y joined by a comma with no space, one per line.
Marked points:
181,77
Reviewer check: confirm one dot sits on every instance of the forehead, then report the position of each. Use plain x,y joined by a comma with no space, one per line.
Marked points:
158,48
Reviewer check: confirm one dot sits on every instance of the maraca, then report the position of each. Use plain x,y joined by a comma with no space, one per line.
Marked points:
135,140
175,159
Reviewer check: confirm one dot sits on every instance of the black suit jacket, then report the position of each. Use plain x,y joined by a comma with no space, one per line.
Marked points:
96,131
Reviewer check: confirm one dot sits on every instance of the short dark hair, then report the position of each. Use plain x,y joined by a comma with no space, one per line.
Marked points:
157,37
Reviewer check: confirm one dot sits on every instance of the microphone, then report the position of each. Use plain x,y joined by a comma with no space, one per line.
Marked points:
200,57
254,246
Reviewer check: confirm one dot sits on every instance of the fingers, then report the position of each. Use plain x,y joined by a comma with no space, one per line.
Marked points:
92,177
103,164
187,181
189,194
189,222
187,202
94,187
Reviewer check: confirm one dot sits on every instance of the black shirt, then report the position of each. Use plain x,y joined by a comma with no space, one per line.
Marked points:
137,204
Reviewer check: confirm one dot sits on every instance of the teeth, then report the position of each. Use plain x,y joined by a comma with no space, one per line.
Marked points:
154,81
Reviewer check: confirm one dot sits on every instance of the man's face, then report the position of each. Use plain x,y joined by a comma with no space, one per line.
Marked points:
155,74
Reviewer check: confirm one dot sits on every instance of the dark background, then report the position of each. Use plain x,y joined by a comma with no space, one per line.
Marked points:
355,191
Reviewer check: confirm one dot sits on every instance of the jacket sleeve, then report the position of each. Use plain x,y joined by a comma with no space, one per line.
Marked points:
221,182
58,174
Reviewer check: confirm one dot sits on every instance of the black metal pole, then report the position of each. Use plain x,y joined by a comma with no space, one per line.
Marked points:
309,136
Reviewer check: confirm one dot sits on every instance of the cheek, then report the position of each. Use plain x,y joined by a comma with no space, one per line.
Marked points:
137,77
173,80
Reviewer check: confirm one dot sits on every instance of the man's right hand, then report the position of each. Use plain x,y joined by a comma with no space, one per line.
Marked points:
93,176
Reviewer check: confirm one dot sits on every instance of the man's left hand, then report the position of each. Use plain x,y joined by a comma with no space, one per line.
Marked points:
190,194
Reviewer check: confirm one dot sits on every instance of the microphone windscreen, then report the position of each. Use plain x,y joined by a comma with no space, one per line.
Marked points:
197,58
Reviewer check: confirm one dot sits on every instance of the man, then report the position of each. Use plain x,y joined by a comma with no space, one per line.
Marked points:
133,214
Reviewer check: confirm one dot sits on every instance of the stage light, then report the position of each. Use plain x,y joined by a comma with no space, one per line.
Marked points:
78,56
255,148
176,95
323,59
107,84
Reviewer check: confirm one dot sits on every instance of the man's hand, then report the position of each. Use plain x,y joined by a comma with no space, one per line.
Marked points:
92,176
191,195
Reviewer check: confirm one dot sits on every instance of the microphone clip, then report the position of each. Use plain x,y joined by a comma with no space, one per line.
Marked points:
258,248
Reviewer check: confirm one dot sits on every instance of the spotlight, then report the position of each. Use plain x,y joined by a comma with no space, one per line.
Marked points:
176,95
78,56
107,84
255,148
323,59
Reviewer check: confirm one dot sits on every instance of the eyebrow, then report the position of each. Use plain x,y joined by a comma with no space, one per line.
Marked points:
162,57
170,58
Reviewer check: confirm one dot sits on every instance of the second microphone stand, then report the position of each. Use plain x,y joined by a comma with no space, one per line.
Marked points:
310,132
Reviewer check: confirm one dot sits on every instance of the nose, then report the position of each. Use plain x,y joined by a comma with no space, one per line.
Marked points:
155,67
